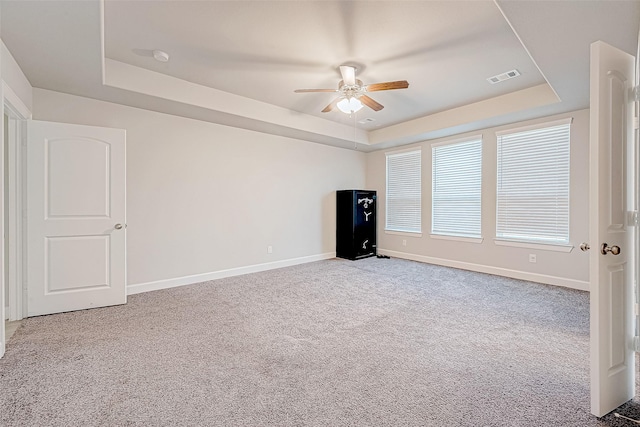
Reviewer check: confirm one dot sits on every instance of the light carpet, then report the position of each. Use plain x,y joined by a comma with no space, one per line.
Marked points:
374,342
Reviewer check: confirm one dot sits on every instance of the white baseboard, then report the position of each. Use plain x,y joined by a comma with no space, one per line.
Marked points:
498,271
197,278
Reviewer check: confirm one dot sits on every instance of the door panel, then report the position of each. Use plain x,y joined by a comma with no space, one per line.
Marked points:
611,274
64,198
63,254
617,355
76,254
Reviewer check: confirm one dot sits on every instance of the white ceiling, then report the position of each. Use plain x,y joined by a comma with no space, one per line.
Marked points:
265,50
238,62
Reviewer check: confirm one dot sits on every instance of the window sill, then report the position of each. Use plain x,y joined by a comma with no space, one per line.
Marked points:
554,247
403,233
457,238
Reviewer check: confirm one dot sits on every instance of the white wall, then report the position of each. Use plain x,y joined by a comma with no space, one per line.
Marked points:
567,269
204,198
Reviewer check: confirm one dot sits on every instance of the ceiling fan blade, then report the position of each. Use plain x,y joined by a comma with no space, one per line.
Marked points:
375,106
401,84
331,106
348,74
314,90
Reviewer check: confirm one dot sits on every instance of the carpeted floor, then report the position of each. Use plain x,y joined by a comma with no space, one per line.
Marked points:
334,343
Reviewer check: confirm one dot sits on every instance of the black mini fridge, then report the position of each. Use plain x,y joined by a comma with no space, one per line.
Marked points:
355,224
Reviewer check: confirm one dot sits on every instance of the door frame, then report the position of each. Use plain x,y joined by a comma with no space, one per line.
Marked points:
17,113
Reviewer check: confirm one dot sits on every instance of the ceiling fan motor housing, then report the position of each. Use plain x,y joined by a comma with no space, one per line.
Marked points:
354,91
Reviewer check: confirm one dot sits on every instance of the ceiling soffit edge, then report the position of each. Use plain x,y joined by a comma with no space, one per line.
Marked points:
513,102
135,79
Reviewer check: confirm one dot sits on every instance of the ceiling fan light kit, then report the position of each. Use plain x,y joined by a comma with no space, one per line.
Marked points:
349,105
352,92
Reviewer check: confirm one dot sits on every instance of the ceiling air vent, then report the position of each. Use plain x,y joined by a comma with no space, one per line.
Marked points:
504,76
367,120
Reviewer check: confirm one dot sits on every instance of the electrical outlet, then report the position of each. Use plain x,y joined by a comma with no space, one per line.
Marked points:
269,249
404,242
532,258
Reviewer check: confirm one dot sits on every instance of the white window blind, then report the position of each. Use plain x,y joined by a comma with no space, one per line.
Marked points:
404,190
457,189
533,184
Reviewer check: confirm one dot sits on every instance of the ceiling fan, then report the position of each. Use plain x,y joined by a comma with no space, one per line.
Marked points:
352,92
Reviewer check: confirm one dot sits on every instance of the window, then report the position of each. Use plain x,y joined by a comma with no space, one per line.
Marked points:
533,184
457,188
404,201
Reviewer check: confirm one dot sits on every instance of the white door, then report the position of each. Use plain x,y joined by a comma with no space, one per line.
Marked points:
76,255
611,200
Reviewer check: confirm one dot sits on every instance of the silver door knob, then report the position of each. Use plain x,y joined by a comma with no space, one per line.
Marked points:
584,247
605,249
118,227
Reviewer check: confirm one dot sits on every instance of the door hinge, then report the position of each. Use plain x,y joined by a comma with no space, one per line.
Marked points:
636,123
632,219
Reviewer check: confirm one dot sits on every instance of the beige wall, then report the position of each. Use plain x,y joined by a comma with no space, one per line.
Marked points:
205,198
15,79
568,269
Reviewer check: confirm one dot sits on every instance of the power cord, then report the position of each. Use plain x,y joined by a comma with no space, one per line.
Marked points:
617,415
